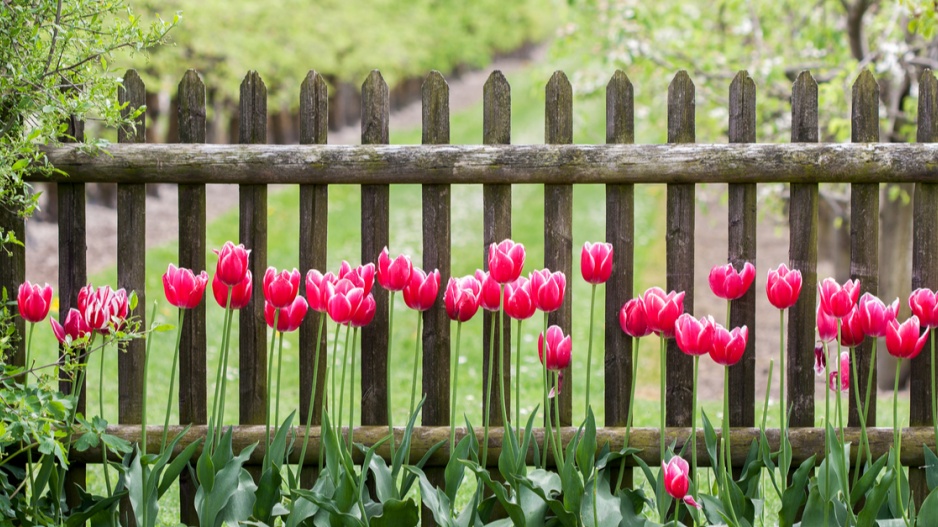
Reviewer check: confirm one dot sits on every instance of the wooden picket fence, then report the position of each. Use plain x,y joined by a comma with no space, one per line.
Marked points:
558,165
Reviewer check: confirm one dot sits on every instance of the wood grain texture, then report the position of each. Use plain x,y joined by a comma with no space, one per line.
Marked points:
742,215
864,230
375,216
680,248
496,221
192,247
558,221
802,254
12,274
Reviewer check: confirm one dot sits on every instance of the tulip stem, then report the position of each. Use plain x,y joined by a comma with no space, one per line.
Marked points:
107,476
517,352
728,463
452,409
558,438
693,433
487,396
840,417
351,390
628,418
782,407
896,438
501,360
279,368
312,397
29,346
662,352
413,381
348,331
388,374
827,420
270,371
549,430
934,394
589,351
860,410
172,379
332,381
216,400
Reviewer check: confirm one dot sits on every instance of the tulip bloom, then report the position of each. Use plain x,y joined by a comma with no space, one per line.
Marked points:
422,291
362,276
280,289
289,318
693,336
596,262
183,288
102,306
506,259
820,360
556,356
826,325
394,275
548,289
491,296
924,305
727,283
903,340
844,373
346,303
317,290
632,318
838,300
677,481
728,346
874,315
851,329
462,298
232,263
519,302
783,287
75,327
240,292
365,313
34,301
662,310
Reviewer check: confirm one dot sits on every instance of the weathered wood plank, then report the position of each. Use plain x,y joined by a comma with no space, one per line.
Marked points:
375,216
496,207
13,273
741,222
558,220
252,230
802,254
192,247
864,231
924,268
680,247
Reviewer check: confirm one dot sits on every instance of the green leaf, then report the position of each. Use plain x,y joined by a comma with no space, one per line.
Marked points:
268,494
795,496
586,448
455,469
117,444
433,498
710,438
931,468
930,506
179,463
396,513
875,500
86,441
277,449
385,487
607,506
867,480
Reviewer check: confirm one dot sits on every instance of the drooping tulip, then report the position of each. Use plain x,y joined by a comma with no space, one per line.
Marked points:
422,291
727,283
183,288
519,300
232,263
490,299
783,286
826,325
280,289
728,346
462,298
33,301
289,318
556,357
317,290
677,481
838,300
924,305
662,310
851,329
74,329
596,262
394,275
844,374
693,336
506,259
632,318
240,292
903,340
875,315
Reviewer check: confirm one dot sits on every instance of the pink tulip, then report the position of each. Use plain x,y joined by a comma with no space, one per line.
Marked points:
596,262
820,361
903,340
632,318
34,301
280,289
783,287
422,291
924,305
548,289
232,263
676,480
362,276
347,302
726,282
851,329
844,374
557,354
75,327
519,300
662,310
875,315
183,288
365,313
317,290
462,298
506,259
728,346
289,318
826,325
240,292
694,337
838,300
102,307
490,299
394,275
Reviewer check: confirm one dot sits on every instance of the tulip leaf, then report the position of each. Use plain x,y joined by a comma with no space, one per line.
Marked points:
930,506
794,496
268,494
875,500
329,506
931,468
404,449
410,478
514,510
521,467
546,485
752,470
395,513
385,487
867,480
607,506
455,470
710,438
766,452
903,488
586,448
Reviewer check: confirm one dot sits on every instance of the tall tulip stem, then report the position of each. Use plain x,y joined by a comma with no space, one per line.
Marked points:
332,381
501,360
549,429
728,463
143,408
29,345
351,391
662,352
896,438
827,420
348,331
270,371
172,379
934,394
782,407
107,476
312,396
860,412
693,432
217,404
388,374
628,418
487,396
558,438
589,351
279,369
413,380
840,417
452,408
517,352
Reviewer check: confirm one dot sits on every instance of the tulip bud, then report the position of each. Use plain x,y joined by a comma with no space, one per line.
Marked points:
677,481
240,292
506,259
924,305
232,263
596,262
838,300
519,302
281,288
555,353
462,298
726,283
783,287
289,318
843,374
632,318
490,298
662,310
851,329
694,336
422,291
34,301
548,289
728,346
903,340
394,275
183,289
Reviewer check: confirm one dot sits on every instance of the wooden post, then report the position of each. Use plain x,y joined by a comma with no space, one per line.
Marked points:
620,232
192,371
680,247
558,221
924,271
742,248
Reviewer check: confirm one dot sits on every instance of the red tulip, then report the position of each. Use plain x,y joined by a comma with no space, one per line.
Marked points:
837,301
422,291
826,325
557,353
317,290
783,287
240,293
394,275
851,329
103,306
34,301
75,327
462,298
676,480
281,288
662,310
728,346
693,336
844,373
362,276
232,263
490,299
820,361
875,315
289,318
903,340
548,289
183,289
596,262
924,305
348,304
519,301
632,318
365,312
506,259
726,283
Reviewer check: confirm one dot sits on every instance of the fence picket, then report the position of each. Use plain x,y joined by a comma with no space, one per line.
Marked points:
741,223
680,247
192,247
